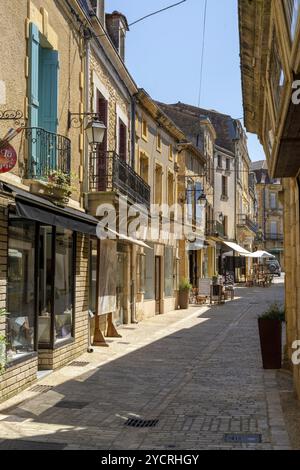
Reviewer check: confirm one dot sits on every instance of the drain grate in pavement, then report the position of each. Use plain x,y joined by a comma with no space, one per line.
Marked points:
41,388
16,444
78,364
72,405
141,423
243,438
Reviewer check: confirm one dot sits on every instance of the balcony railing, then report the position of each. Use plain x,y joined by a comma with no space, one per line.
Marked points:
215,228
244,220
47,152
274,236
108,172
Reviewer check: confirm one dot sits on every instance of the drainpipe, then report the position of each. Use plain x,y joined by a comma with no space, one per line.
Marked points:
87,110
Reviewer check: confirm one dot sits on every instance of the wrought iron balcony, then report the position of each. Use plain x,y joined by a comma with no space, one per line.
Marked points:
274,236
215,228
244,220
109,172
47,152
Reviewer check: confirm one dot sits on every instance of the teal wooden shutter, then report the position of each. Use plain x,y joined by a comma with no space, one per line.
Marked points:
33,88
48,89
34,46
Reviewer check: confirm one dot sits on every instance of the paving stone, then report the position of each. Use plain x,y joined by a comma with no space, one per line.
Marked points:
201,379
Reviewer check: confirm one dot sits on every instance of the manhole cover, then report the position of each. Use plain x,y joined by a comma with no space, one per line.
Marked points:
72,405
141,423
78,364
41,388
243,438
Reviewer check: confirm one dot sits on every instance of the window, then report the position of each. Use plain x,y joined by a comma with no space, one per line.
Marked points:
224,186
122,140
220,161
144,129
63,285
149,275
40,292
169,271
43,96
228,164
273,201
158,141
170,189
20,288
292,8
171,152
144,167
55,291
273,229
158,184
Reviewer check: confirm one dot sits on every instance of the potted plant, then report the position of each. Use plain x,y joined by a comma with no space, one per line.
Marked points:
59,186
184,294
270,332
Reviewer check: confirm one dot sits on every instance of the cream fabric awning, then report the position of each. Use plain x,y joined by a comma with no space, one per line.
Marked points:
237,248
129,239
260,254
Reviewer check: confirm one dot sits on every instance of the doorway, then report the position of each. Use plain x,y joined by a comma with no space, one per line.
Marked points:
158,285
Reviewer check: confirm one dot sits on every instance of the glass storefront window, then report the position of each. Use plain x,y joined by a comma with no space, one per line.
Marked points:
169,268
45,277
20,288
63,285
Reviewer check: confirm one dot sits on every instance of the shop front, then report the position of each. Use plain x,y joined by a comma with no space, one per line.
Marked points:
47,294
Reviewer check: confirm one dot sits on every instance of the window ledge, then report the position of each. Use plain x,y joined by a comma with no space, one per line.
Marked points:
64,343
19,360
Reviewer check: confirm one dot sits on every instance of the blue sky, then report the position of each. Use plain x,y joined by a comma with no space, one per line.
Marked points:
164,54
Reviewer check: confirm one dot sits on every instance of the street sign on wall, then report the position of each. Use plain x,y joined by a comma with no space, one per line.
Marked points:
8,157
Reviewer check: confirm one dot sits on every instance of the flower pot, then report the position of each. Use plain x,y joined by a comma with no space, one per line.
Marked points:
270,332
184,296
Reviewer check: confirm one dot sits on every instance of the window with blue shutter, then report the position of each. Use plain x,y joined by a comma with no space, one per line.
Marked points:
43,103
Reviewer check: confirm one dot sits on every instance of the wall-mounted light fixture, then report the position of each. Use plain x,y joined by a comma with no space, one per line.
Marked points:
95,128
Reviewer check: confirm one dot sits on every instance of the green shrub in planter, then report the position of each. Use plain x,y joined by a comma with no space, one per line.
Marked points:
184,294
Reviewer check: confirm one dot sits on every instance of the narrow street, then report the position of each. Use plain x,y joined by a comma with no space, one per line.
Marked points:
197,372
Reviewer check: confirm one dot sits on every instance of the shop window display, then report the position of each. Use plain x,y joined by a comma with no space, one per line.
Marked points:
20,288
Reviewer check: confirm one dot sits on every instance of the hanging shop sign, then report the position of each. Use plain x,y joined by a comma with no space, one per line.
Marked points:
8,157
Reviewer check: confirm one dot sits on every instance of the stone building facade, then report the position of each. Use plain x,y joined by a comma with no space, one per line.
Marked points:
270,211
270,63
157,139
44,245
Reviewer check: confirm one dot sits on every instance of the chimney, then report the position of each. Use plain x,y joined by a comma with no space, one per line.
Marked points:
117,26
97,8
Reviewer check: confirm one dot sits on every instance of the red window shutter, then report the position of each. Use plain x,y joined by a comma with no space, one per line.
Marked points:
122,140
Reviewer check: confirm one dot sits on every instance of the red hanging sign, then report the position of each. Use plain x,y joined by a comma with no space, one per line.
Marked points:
8,157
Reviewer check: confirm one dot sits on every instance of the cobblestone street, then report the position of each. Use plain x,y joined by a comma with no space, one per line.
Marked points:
197,372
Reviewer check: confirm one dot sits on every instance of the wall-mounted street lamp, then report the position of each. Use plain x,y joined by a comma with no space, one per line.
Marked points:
95,128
